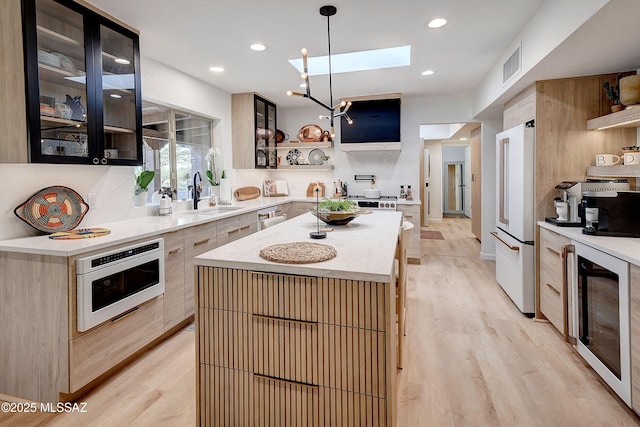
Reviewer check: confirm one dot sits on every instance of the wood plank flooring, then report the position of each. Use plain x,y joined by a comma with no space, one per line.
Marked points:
472,360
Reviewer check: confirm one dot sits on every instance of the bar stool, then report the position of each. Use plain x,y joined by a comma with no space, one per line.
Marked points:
401,286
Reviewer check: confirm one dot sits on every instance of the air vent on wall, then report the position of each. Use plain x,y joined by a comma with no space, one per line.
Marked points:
512,66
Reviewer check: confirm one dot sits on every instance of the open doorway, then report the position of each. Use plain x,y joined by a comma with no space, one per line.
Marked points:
446,170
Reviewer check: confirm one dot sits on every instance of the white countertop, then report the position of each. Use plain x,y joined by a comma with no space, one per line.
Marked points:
625,248
365,248
134,229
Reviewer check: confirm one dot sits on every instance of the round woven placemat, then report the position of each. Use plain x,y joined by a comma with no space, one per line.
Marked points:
298,253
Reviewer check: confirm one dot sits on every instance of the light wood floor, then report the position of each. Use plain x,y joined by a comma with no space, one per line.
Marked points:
472,360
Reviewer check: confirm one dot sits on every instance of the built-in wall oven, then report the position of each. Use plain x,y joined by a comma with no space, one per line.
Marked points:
112,284
601,316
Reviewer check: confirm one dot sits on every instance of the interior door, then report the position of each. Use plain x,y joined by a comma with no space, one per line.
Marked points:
454,188
427,193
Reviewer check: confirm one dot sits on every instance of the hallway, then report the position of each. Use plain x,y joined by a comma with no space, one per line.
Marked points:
474,360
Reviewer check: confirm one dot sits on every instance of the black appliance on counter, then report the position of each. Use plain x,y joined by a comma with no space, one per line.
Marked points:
612,213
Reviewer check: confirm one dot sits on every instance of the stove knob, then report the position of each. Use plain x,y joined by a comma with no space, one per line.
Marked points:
386,205
393,205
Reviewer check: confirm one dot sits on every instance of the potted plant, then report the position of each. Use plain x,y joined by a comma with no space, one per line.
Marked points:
143,179
613,93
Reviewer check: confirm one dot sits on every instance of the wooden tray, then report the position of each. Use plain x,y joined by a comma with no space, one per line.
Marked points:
247,193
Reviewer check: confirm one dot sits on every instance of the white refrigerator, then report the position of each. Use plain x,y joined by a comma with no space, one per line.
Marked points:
515,217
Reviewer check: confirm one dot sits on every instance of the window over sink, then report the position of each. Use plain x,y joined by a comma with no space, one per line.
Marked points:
175,145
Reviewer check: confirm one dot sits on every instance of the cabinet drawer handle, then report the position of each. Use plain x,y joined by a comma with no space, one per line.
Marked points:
125,314
553,289
174,251
245,227
260,216
235,230
201,242
283,319
566,250
553,251
280,380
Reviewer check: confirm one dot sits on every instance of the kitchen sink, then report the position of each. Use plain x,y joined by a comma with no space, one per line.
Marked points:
214,211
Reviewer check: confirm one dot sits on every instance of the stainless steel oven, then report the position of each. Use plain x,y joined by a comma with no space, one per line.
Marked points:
112,283
601,316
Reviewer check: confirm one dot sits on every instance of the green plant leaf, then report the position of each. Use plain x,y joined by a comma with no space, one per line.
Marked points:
144,179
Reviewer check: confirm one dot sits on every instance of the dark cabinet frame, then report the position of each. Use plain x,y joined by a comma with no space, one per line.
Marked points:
94,111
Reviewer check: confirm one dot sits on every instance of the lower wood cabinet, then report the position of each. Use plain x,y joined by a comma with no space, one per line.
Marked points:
174,286
554,304
197,240
300,208
102,348
275,349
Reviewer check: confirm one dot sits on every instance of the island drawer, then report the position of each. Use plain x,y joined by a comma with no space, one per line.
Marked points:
284,296
339,357
353,303
251,399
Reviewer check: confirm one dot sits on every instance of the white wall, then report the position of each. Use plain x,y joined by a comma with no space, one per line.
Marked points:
489,130
114,185
547,29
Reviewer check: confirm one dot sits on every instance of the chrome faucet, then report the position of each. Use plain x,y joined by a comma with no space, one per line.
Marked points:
197,188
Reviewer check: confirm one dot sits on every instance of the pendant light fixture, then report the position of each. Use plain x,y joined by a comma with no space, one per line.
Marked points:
339,109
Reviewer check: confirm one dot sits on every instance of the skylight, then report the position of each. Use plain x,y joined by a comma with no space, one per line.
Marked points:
357,61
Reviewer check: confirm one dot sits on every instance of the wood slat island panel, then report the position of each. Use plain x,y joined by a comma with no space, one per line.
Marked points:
299,345
287,371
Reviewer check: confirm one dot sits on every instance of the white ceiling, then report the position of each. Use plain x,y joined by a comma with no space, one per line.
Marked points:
192,35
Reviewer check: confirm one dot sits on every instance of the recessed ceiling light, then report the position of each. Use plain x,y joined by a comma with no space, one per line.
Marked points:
216,69
122,61
437,22
258,47
115,95
427,72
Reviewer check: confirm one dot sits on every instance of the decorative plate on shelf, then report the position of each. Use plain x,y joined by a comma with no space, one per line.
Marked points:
293,156
316,157
53,209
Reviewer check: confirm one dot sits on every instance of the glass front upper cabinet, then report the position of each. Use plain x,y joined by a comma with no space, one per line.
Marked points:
265,120
83,85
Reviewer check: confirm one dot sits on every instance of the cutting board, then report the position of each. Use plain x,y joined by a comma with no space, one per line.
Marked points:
311,189
247,193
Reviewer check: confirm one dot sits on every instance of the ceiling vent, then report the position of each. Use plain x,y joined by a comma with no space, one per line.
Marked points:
512,66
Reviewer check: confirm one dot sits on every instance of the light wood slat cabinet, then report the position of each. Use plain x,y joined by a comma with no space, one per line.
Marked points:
412,214
552,289
275,349
634,309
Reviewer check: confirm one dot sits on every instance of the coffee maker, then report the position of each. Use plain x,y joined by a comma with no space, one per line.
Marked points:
611,213
568,205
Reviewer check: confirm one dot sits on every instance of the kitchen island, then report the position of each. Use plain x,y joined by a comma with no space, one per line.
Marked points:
299,344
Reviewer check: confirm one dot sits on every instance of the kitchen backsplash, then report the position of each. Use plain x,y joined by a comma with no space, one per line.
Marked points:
113,186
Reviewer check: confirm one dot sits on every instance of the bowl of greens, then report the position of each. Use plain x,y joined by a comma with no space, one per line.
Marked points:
336,212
